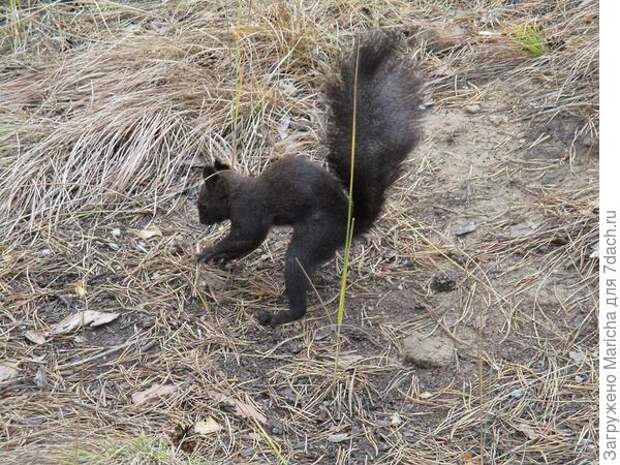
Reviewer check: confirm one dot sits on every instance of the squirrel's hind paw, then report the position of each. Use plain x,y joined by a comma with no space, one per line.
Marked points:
209,255
204,256
264,318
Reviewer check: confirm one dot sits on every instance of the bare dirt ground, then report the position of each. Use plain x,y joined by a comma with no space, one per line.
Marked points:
107,112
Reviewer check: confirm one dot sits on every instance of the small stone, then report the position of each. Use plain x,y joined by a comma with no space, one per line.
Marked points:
45,252
497,120
323,334
518,393
443,282
116,232
472,109
580,379
577,356
395,420
521,230
428,351
40,378
466,227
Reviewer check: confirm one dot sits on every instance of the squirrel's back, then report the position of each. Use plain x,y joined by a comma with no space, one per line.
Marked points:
386,116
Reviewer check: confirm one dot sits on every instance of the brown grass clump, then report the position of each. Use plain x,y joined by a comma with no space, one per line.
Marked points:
108,110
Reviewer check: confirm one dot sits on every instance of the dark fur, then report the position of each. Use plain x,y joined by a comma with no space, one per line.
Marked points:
294,191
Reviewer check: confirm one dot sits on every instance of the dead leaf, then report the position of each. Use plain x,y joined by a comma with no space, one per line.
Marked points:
527,430
594,250
207,426
80,289
347,360
35,337
468,459
148,233
90,318
8,371
283,127
246,410
577,356
242,409
155,391
288,86
338,437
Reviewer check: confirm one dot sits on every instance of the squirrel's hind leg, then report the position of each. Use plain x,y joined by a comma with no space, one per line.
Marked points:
314,242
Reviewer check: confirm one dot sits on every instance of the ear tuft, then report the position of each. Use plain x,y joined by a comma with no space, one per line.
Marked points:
219,166
207,171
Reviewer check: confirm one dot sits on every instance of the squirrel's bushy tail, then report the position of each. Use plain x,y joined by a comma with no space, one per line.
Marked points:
387,113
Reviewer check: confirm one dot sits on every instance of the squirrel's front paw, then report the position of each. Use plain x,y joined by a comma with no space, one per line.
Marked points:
263,317
269,319
205,256
210,256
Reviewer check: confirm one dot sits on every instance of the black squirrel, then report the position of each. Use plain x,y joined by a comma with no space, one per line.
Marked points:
297,192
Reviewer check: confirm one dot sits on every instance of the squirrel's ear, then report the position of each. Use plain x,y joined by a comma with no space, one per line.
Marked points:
219,166
207,171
